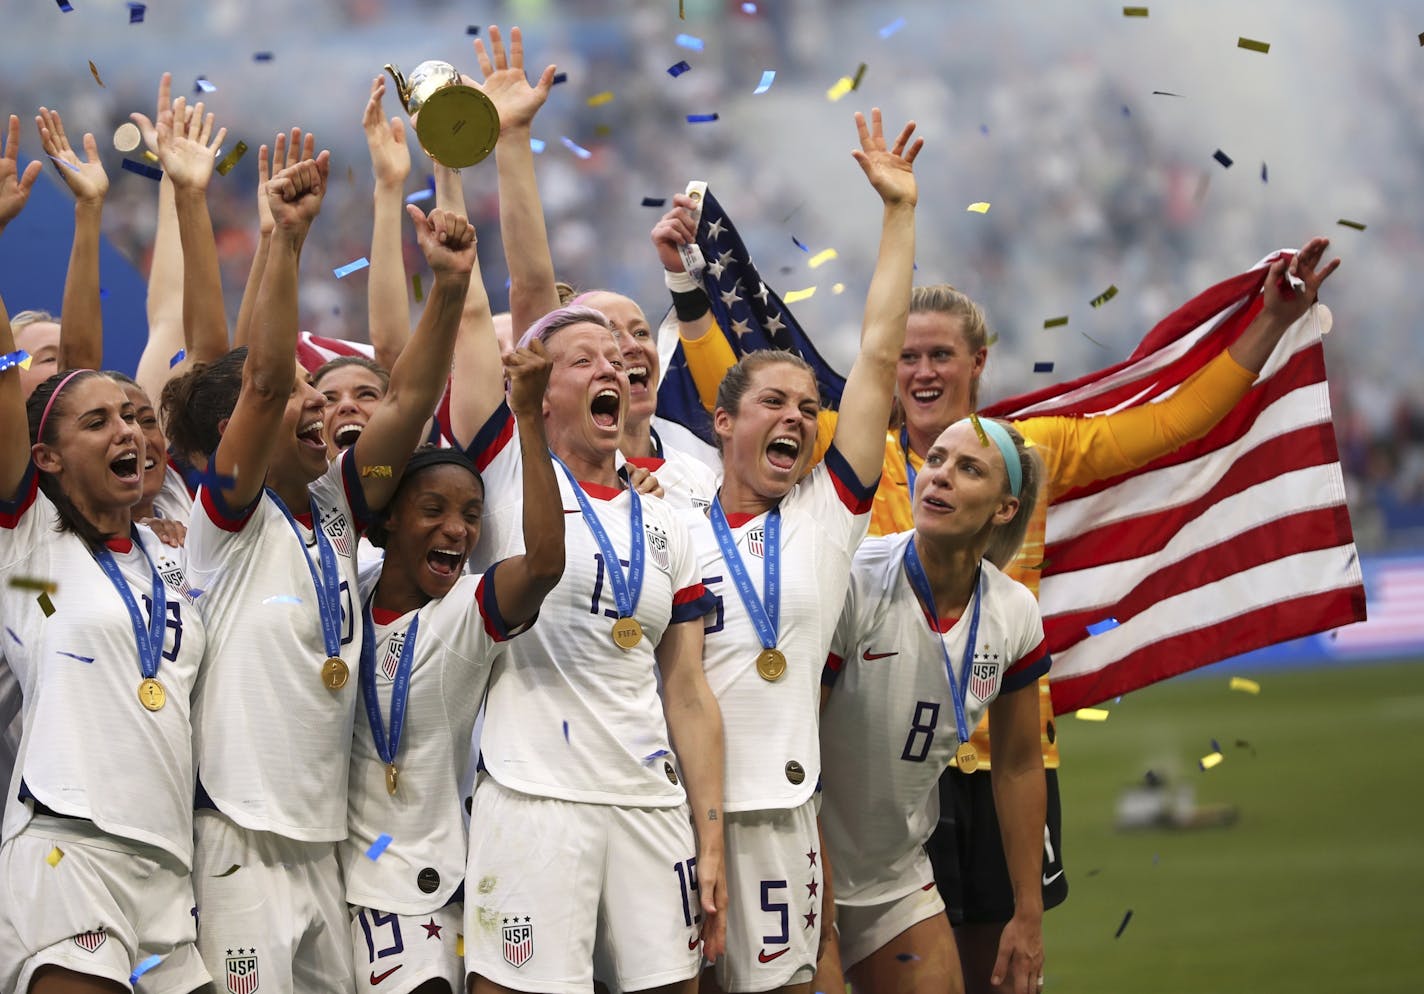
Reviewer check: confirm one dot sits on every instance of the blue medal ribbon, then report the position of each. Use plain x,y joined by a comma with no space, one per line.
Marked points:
921,585
327,582
626,589
909,469
765,617
148,638
386,748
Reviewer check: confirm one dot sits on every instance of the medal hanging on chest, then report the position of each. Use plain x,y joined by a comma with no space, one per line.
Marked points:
627,588
327,582
387,746
147,637
966,755
764,611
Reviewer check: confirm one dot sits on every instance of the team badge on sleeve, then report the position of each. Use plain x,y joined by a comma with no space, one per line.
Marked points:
90,941
984,677
657,545
518,941
242,971
338,529
756,542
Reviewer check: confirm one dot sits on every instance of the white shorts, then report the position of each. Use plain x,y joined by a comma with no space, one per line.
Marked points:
558,891
864,928
105,906
395,954
774,883
274,911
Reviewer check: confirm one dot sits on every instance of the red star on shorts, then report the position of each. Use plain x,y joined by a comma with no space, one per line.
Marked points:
810,917
812,857
812,888
432,930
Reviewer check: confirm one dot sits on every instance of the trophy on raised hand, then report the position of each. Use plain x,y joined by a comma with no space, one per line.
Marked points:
455,122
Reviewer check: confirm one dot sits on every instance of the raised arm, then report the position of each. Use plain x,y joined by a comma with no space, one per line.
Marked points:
522,582
419,375
165,298
269,374
870,387
14,186
521,215
15,443
709,354
387,298
285,152
81,319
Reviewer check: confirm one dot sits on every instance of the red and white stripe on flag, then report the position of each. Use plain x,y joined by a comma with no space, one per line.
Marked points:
1238,540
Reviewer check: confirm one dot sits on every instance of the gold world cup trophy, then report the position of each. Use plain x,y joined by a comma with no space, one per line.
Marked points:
454,122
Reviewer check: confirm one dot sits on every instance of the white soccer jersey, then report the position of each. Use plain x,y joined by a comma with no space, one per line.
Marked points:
272,742
570,715
686,480
88,748
173,501
773,755
456,643
888,730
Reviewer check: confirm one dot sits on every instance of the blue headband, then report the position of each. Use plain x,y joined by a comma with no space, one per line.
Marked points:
1007,449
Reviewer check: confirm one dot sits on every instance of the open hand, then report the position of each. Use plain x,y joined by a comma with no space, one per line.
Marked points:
1286,303
505,82
1019,967
446,238
85,179
14,185
390,156
187,147
712,889
890,171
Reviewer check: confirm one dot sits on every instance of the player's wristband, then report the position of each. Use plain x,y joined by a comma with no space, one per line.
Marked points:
689,300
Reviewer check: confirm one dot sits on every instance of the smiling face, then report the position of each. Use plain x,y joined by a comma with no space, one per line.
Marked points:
433,524
98,450
155,461
639,349
587,399
962,491
352,395
768,443
41,340
934,380
300,454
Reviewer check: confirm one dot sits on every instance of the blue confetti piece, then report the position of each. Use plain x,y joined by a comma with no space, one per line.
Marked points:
11,359
261,56
678,68
767,78
351,267
103,293
906,957
537,144
1263,173
1125,919
647,202
799,244
1043,367
195,592
203,85
74,655
983,129
1106,625
690,42
419,195
379,846
1215,747
178,357
144,967
701,118
67,165
1125,111
576,148
65,6
143,169
892,27
655,755
748,8
472,30
1223,158
566,731
560,77
11,632
136,12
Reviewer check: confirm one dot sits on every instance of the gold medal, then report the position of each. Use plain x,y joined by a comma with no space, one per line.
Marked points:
392,778
334,673
627,633
967,757
771,665
152,695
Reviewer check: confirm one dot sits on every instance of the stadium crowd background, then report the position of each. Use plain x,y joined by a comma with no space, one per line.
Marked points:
1045,110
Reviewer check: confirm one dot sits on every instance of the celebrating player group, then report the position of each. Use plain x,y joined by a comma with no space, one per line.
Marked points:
440,669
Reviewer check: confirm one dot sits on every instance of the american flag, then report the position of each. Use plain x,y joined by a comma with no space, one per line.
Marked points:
1236,541
750,313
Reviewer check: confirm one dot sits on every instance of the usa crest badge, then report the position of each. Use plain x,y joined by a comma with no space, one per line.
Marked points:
242,972
756,541
984,679
339,530
90,941
391,660
518,941
657,546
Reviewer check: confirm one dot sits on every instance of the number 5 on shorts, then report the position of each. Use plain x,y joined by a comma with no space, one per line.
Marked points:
779,908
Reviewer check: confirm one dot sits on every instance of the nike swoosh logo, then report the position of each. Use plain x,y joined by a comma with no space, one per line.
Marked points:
870,657
377,978
1049,879
762,957
692,942
573,511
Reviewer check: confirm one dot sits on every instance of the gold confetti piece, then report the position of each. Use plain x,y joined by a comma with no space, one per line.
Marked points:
681,16
230,870
55,855
978,428
603,131
149,156
1211,759
993,340
843,86
127,137
25,362
838,288
981,207
416,286
798,295
34,583
231,159
460,946
380,472
351,175
46,605
94,71
859,75
1105,296
1056,322
1351,224
599,99
1134,12
1251,45
822,257
1091,714
1249,686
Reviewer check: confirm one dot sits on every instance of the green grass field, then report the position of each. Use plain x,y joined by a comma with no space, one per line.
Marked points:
1320,884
